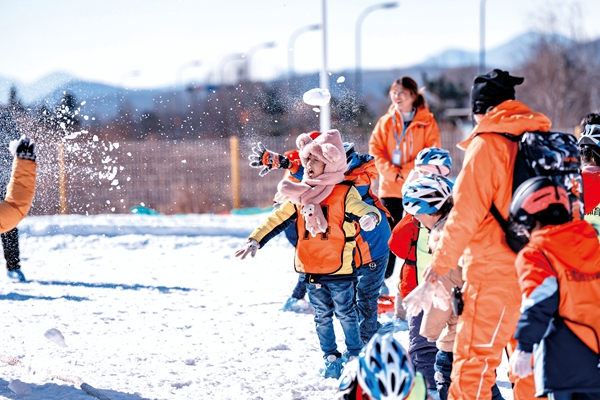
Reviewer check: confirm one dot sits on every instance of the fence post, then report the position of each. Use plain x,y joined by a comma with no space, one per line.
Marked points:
62,179
235,171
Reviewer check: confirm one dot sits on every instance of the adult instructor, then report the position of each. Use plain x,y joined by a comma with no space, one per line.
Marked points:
491,293
407,128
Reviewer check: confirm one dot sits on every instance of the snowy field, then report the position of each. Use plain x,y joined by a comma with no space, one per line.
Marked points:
157,307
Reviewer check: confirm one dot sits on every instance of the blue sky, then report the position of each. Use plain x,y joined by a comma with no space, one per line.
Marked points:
105,40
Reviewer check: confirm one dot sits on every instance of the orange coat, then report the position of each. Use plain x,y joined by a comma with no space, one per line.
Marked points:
19,194
422,132
486,176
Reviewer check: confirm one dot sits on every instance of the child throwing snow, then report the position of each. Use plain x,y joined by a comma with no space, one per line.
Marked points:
318,205
559,276
372,250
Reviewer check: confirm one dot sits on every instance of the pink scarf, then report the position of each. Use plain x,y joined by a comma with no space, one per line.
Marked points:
310,191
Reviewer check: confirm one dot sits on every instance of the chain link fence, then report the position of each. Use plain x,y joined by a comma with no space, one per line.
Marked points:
184,176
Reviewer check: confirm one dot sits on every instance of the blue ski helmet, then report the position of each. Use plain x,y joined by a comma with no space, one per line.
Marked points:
434,160
426,195
385,370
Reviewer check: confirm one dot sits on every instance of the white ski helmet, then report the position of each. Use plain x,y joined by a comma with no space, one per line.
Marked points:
434,160
426,195
385,371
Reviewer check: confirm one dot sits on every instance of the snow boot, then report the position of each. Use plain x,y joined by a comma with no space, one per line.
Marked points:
333,367
16,275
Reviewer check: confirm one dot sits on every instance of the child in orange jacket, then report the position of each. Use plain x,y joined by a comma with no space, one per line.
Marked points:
559,275
321,207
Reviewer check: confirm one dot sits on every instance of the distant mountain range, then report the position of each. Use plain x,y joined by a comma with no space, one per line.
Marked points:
105,100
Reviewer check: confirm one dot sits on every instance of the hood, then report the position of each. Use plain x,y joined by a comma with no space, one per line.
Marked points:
512,117
581,236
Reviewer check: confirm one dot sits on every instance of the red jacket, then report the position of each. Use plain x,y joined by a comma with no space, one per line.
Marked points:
591,188
403,243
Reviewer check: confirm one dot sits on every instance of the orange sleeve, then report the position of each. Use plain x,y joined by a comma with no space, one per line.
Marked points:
473,194
378,148
19,194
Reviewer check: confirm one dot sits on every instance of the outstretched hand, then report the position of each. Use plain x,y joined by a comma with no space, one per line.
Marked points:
23,148
266,159
250,248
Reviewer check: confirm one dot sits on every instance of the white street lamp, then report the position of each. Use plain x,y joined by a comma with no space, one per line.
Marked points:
292,43
250,54
357,38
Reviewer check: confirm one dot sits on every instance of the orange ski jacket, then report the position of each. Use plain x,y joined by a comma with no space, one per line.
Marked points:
19,194
486,177
422,132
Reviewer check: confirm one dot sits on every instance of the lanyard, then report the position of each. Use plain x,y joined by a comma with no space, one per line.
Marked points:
404,126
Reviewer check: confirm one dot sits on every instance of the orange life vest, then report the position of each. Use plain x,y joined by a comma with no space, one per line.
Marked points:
329,252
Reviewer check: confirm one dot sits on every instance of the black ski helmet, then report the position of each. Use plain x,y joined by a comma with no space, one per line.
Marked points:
537,199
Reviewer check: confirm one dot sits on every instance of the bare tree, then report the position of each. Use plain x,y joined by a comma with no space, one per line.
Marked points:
560,68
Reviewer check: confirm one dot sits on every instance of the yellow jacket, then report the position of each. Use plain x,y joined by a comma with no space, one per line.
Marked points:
19,194
328,254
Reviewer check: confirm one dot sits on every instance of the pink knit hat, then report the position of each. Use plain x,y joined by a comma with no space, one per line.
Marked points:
328,147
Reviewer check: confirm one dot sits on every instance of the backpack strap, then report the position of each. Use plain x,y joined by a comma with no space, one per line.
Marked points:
493,209
501,221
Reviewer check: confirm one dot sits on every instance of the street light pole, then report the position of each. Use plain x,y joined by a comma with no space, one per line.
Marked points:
183,67
482,37
250,54
292,43
357,41
225,60
325,116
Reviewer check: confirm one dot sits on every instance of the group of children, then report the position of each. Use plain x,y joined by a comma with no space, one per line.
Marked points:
342,241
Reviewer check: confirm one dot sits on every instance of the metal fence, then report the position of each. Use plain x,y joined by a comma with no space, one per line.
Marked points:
168,176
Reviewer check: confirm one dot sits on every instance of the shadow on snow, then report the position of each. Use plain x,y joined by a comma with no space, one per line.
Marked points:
62,391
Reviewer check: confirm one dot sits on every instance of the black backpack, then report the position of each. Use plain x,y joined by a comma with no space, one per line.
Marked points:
551,154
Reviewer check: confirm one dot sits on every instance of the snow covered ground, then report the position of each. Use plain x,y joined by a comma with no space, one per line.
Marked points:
157,307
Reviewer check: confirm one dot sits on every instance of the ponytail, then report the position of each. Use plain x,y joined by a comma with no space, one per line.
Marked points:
409,84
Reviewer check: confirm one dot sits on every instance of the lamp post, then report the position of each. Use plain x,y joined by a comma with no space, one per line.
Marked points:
250,54
227,59
292,43
182,68
482,37
325,115
359,21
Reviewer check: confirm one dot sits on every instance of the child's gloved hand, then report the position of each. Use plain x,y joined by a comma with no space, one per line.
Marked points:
440,297
369,221
420,299
23,148
267,159
250,248
520,363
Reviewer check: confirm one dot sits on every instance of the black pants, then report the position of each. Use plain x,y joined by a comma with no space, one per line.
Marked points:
396,209
10,242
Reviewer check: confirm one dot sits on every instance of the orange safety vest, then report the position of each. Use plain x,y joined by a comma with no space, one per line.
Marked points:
325,253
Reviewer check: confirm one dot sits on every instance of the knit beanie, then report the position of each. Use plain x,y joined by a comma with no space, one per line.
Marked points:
328,147
491,89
